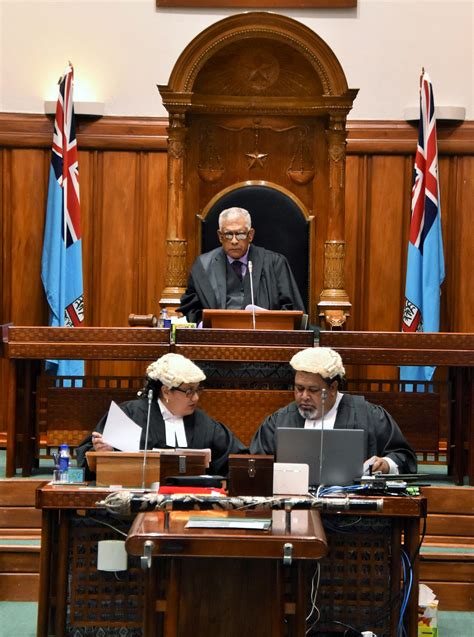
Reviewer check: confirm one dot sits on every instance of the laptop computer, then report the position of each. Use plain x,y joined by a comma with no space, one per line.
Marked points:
343,453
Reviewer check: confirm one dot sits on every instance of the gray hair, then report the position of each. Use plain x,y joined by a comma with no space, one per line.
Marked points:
234,212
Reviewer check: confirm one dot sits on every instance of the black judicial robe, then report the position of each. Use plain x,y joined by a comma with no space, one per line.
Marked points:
202,432
273,282
384,438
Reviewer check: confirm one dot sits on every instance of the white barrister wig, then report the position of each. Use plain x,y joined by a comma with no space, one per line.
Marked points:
318,360
173,370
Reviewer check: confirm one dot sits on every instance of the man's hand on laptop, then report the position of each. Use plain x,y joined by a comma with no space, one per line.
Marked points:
374,464
99,444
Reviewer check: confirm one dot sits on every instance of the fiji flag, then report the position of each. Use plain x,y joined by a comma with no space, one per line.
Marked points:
425,266
61,266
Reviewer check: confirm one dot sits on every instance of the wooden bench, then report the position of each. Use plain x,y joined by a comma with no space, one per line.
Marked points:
447,553
20,536
423,415
69,414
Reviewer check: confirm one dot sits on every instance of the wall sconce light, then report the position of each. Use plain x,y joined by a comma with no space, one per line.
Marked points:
448,114
86,109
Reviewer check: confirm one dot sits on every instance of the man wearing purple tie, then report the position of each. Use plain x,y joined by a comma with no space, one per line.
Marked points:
220,279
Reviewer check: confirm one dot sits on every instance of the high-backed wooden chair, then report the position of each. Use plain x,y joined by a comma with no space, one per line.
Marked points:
243,409
67,414
423,415
279,220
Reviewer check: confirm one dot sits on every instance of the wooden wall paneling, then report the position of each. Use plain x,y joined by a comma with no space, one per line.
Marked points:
115,236
5,225
154,241
385,243
357,203
87,181
27,211
5,294
447,170
462,246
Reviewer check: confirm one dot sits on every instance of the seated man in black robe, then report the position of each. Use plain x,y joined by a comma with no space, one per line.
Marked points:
175,420
220,279
321,368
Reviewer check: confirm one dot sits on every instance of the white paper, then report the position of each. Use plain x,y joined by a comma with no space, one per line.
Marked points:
257,308
257,524
425,595
120,431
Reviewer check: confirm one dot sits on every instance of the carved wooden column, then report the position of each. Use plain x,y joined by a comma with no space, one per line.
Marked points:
334,306
176,244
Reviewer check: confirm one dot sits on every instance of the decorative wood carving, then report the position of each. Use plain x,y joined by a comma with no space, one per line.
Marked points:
262,98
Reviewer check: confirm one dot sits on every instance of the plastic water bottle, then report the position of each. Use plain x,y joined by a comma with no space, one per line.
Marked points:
64,457
165,320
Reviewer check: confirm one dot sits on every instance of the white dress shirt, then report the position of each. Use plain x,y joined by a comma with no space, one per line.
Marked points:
174,427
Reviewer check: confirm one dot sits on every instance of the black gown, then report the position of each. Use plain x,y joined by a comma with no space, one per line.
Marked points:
384,438
274,285
202,432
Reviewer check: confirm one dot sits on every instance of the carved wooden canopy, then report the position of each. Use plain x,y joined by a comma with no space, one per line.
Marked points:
259,98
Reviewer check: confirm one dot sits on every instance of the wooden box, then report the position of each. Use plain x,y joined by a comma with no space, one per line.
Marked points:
123,468
180,464
126,468
250,475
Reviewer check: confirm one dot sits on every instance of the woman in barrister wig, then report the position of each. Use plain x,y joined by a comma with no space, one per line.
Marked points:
175,421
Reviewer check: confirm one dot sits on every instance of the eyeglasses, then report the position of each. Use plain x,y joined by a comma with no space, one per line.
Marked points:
240,236
189,392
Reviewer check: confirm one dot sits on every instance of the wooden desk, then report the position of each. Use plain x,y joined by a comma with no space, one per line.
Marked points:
360,576
243,319
203,592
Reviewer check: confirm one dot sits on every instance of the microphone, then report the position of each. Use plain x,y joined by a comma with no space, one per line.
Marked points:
150,398
252,300
324,395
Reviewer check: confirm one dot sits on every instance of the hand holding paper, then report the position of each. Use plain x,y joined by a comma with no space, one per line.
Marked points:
120,431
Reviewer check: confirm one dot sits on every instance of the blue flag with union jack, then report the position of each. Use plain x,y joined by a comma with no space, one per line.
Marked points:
61,265
425,264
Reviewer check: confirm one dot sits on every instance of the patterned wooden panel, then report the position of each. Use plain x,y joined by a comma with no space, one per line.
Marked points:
236,353
243,410
356,575
69,414
396,348
85,343
245,337
423,415
100,602
69,497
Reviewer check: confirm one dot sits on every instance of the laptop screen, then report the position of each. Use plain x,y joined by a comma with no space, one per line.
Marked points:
343,453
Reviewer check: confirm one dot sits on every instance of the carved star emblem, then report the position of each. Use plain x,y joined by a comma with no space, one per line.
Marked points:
256,159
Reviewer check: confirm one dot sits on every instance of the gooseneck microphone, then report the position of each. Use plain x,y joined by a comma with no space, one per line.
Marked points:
324,395
150,398
250,267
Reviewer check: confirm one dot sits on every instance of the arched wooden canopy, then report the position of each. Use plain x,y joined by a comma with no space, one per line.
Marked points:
259,97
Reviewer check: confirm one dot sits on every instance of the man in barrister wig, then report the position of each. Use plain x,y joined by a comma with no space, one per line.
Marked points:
220,279
321,368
